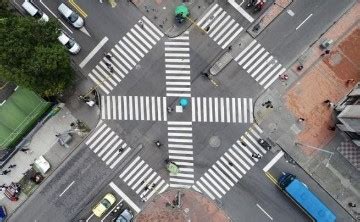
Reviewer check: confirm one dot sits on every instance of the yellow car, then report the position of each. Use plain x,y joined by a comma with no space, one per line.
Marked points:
104,205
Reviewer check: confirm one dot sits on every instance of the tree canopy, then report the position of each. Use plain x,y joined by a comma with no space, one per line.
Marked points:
31,56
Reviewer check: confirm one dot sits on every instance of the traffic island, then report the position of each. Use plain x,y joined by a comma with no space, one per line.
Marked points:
181,206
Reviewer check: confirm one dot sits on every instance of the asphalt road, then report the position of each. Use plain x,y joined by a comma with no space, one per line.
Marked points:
84,178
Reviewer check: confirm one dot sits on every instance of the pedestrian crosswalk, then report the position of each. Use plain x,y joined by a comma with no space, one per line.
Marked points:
232,165
142,179
107,145
260,64
147,108
181,153
229,110
125,55
177,66
220,27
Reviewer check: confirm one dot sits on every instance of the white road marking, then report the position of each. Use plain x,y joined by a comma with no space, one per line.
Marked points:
67,188
303,21
264,211
273,161
125,197
93,52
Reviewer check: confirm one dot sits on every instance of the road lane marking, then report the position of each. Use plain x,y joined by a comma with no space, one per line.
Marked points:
78,8
56,17
125,197
67,188
303,22
264,211
93,52
273,161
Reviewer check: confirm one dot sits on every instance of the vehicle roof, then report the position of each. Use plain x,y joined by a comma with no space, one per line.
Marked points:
30,8
311,203
63,38
65,9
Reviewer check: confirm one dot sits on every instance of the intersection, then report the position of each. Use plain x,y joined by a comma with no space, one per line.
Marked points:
212,140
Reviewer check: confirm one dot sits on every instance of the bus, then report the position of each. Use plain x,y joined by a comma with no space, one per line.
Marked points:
303,197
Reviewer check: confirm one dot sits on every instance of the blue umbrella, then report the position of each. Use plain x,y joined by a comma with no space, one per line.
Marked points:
184,102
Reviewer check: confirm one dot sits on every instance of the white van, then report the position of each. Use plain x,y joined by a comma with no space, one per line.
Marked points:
71,16
34,11
69,43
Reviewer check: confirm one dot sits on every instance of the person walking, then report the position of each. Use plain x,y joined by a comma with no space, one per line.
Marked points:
12,166
5,172
108,56
24,149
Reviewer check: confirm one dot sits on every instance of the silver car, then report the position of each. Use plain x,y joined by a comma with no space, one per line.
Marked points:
34,11
69,43
71,16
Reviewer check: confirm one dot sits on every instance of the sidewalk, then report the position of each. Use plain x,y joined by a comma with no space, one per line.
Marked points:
44,142
323,78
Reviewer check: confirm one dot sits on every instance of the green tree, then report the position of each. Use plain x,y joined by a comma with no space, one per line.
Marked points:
31,56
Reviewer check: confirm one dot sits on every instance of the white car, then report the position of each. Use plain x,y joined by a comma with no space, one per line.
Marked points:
71,16
69,43
34,11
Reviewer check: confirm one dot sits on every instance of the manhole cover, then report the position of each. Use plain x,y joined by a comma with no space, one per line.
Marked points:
214,142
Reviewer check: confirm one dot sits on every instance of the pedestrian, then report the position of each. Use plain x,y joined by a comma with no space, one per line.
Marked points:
327,101
350,81
242,143
327,51
230,163
300,67
6,172
146,187
169,109
24,149
108,64
101,1
207,28
141,24
31,164
121,149
108,56
12,166
351,204
269,106
153,185
230,48
301,119
331,105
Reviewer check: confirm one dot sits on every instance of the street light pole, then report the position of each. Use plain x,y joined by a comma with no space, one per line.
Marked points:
315,148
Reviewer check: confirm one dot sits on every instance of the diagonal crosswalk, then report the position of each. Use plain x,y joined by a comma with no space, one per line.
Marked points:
260,64
220,109
107,145
232,165
142,179
180,146
221,27
147,108
177,66
129,51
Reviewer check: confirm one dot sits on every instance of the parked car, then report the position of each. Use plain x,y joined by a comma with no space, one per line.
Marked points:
71,16
125,216
34,11
69,42
104,204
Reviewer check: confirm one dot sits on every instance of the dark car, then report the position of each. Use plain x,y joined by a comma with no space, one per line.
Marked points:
125,216
264,144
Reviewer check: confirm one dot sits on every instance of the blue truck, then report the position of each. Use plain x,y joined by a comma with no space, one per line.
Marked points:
303,197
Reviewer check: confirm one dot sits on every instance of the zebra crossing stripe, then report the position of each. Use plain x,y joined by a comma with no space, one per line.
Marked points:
223,175
113,148
216,110
215,183
95,134
205,190
180,146
117,55
129,167
99,84
133,46
243,155
147,180
219,180
139,29
226,171
107,146
99,138
142,178
152,26
245,50
134,170
245,110
211,188
207,14
222,111
232,37
204,110
219,26
239,159
228,110
224,29
103,142
181,180
235,164
137,42
137,174
120,158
